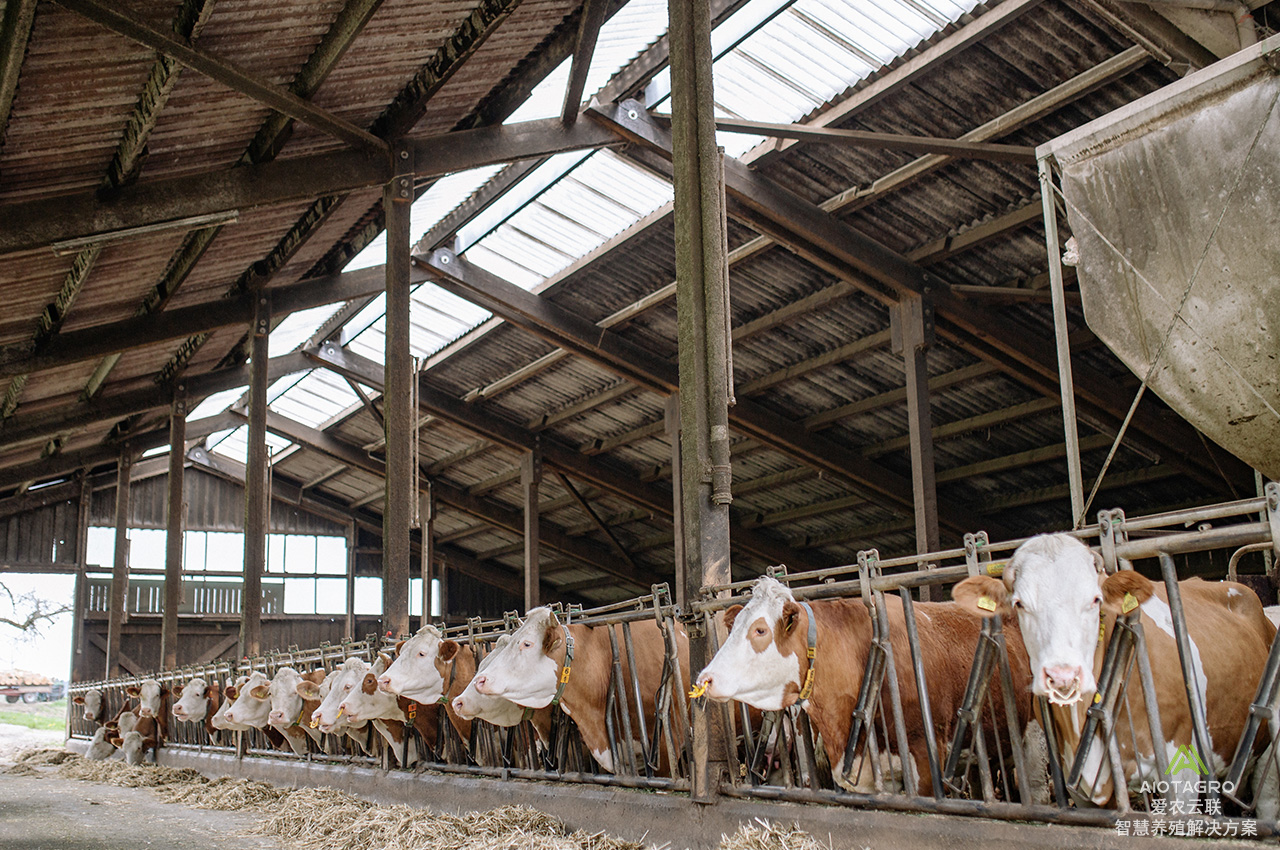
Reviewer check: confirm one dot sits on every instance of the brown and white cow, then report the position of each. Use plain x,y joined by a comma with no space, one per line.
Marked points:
528,671
198,702
94,704
290,712
1066,606
153,704
100,746
354,698
429,670
229,694
764,663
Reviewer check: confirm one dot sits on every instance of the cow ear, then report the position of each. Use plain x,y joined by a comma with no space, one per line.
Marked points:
448,649
551,638
790,613
78,700
260,692
232,691
731,616
1099,563
308,689
399,647
380,666
982,596
370,685
211,691
133,690
315,676
117,742
1125,590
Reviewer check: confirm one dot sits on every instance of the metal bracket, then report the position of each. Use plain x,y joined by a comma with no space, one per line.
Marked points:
1110,532
1272,494
976,553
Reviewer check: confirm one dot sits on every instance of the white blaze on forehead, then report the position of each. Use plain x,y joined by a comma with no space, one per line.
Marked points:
472,705
1056,593
149,698
521,671
738,671
192,704
249,710
341,682
413,674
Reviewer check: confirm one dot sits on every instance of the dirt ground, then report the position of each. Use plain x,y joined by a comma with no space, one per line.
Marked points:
51,813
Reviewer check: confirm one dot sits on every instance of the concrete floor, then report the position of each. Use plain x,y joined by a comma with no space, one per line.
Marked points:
50,813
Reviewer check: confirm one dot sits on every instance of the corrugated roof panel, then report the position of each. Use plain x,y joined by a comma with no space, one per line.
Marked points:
315,399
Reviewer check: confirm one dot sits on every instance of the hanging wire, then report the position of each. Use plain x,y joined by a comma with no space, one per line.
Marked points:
1177,313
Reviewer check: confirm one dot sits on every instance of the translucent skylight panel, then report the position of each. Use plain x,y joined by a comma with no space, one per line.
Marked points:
490,260
550,226
297,327
316,399
371,341
215,404
235,444
527,250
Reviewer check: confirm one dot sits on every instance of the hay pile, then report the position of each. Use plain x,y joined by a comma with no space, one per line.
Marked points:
763,835
127,775
342,822
225,793
29,761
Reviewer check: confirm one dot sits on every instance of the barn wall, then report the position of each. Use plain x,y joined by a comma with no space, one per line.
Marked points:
43,536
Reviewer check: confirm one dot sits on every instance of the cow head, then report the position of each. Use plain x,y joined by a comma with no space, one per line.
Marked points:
365,702
100,746
340,683
93,703
134,747
472,705
193,701
229,695
150,695
1057,588
421,667
252,705
759,663
526,670
285,703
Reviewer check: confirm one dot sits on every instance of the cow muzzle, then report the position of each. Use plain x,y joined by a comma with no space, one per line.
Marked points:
384,685
143,711
482,684
1063,683
706,686
460,708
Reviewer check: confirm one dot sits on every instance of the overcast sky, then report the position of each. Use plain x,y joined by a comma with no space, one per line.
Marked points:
47,653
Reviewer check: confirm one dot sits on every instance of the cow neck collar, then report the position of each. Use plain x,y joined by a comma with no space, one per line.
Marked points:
806,690
567,668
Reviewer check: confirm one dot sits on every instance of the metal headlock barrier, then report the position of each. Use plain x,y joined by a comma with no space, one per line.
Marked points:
966,739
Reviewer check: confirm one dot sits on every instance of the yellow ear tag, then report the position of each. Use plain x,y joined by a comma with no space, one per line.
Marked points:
996,569
699,690
1097,698
1128,604
1102,630
986,603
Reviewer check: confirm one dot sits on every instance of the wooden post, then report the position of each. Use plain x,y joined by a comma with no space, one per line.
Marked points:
78,673
352,536
255,483
118,612
530,478
427,527
706,372
911,321
398,421
671,421
173,536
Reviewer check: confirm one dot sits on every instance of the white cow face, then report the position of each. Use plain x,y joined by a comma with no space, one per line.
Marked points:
126,722
193,703
750,666
526,671
284,701
252,705
134,747
1054,584
99,746
150,695
229,695
341,683
92,702
473,705
416,672
365,702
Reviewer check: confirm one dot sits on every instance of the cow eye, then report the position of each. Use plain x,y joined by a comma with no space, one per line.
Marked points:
525,644
346,687
1097,600
760,630
422,655
1017,603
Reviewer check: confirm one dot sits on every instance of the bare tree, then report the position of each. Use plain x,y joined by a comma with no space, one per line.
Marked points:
27,612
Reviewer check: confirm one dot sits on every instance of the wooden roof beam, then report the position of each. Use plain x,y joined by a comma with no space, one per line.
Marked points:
15,32
589,23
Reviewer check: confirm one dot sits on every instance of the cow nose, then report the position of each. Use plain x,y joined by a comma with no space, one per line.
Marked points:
384,684
1063,681
276,717
457,705
481,683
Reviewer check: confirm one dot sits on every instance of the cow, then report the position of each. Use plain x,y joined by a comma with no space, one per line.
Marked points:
764,662
95,705
153,703
530,668
250,707
229,693
1066,605
357,733
199,701
100,746
429,670
354,698
134,746
290,713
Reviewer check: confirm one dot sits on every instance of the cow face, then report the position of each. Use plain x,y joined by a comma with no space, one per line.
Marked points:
92,702
1053,583
150,695
472,705
283,700
230,693
365,702
759,662
193,702
341,683
418,673
100,747
252,704
134,747
526,670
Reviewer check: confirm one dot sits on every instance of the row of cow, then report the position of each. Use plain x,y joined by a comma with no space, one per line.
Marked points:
782,654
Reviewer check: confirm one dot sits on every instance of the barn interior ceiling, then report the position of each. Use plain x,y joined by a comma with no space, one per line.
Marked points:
165,164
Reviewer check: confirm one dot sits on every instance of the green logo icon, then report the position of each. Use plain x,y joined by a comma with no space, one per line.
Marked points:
1184,758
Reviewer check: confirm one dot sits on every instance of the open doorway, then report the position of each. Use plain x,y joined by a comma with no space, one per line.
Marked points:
44,647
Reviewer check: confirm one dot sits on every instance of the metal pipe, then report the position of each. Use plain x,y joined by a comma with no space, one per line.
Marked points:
922,691
1195,541
1241,552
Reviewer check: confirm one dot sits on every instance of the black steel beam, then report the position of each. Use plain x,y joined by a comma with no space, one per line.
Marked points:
37,223
597,471
592,18
229,75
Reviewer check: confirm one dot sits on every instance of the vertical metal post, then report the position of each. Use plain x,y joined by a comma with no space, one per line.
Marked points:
671,421
118,613
1268,555
397,199
1075,478
352,536
702,286
427,527
255,482
530,478
78,673
911,324
173,535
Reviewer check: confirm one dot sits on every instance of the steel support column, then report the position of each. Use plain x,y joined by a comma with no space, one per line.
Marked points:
118,613
530,479
671,421
78,672
174,526
702,288
397,198
1066,385
427,527
353,534
912,320
256,503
